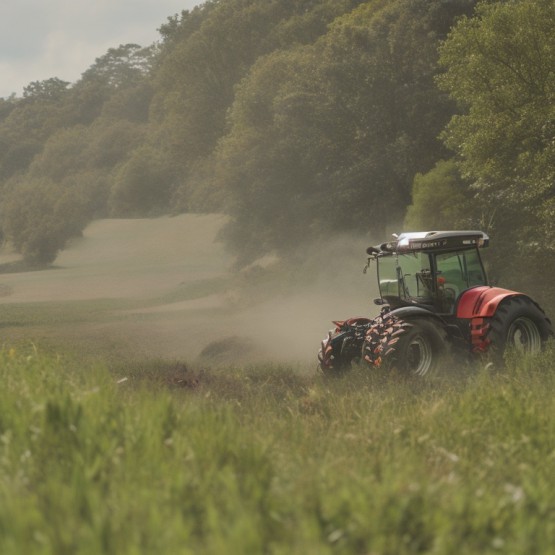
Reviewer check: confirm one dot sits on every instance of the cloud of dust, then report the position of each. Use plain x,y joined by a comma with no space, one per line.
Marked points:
279,315
288,321
291,325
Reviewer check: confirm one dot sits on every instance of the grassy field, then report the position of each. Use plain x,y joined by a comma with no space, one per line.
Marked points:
162,458
117,436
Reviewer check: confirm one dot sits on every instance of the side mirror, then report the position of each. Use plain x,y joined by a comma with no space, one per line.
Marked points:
379,301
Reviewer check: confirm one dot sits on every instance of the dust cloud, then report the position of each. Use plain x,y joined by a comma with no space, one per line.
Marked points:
155,272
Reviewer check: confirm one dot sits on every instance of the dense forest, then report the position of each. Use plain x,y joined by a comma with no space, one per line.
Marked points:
301,119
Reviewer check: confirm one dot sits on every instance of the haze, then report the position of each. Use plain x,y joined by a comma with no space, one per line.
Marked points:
139,283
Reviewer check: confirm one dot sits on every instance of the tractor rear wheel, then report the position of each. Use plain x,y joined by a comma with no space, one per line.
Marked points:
412,347
518,323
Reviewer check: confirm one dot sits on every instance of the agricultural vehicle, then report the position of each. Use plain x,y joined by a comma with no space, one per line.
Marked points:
435,299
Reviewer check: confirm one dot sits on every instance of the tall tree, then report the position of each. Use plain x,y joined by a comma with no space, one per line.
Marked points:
64,145
499,67
29,122
205,55
49,89
124,66
329,136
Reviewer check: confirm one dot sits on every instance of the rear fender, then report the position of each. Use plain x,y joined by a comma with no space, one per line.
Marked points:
482,301
478,305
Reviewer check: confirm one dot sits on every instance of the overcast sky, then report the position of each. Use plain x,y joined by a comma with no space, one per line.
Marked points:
40,39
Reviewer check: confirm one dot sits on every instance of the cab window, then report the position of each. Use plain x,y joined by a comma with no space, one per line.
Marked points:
460,270
406,276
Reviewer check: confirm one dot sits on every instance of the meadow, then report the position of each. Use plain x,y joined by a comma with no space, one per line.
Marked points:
111,442
164,458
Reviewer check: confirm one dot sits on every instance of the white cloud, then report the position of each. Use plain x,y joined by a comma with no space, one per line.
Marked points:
40,39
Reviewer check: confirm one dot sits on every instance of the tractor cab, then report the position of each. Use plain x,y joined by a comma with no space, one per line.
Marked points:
430,269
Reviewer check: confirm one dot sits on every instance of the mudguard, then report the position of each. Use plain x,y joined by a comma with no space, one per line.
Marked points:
478,305
482,301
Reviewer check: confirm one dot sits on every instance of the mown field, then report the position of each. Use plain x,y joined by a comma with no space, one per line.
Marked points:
114,441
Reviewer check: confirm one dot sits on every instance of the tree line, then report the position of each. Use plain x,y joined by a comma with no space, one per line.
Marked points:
299,119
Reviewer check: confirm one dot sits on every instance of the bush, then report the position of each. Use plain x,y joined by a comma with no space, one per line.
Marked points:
39,216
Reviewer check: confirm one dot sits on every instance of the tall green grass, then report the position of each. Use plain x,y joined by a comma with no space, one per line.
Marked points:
159,458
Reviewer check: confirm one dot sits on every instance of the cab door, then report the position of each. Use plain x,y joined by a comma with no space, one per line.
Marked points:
457,271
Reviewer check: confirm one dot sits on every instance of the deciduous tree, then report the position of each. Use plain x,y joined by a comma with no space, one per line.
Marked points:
499,67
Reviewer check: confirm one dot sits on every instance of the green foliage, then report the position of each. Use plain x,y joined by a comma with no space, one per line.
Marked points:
39,216
296,118
207,53
266,460
63,147
122,67
299,119
63,153
6,106
50,89
143,185
328,137
111,142
440,200
130,103
499,67
65,186
29,122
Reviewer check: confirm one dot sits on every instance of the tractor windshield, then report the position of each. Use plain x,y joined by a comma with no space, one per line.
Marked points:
406,276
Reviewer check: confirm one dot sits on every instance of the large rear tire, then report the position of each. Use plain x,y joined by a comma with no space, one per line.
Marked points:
520,324
414,347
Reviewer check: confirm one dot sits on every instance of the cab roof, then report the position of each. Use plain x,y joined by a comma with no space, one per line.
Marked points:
432,241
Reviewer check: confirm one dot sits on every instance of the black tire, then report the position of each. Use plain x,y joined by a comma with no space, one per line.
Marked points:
414,347
518,323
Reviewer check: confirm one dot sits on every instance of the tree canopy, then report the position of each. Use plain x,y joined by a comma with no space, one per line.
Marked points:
499,67
299,119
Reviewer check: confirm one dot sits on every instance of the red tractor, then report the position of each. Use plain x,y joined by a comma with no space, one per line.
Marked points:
435,298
